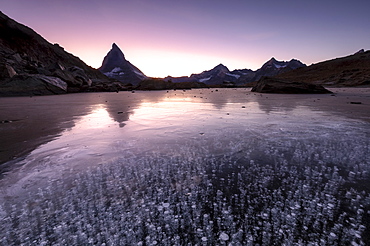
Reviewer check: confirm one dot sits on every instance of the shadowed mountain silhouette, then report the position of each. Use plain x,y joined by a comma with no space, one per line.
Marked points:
30,65
116,66
352,70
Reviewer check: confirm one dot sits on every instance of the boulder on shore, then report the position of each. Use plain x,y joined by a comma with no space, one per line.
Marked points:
32,85
273,85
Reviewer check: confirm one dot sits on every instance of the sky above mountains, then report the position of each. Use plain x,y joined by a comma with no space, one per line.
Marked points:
177,38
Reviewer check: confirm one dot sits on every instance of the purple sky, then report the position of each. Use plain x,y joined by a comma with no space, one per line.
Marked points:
173,37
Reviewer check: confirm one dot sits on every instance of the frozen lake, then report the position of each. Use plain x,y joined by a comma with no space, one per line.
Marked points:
196,167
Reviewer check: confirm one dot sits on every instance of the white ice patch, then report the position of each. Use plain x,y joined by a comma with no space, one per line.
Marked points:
233,75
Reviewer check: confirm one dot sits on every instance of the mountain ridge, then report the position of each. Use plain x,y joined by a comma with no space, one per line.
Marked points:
221,75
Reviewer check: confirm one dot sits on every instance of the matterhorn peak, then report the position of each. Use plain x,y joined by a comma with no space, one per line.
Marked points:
114,58
116,66
115,48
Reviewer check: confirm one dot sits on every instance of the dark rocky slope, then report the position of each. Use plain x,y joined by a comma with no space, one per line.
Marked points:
352,70
30,65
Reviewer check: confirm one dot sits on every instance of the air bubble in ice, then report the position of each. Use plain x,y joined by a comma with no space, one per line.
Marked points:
224,236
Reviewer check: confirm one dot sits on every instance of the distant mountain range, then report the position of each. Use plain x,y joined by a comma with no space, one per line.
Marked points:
117,67
221,75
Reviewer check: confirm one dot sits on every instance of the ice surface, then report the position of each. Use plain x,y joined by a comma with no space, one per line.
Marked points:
258,175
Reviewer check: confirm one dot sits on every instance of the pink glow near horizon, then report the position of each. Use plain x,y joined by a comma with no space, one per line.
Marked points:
178,38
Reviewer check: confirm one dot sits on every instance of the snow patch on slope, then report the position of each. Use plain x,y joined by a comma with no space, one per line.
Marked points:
115,71
233,75
279,66
205,79
139,73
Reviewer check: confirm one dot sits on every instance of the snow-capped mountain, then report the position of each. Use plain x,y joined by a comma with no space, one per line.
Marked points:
221,75
116,66
274,67
215,76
